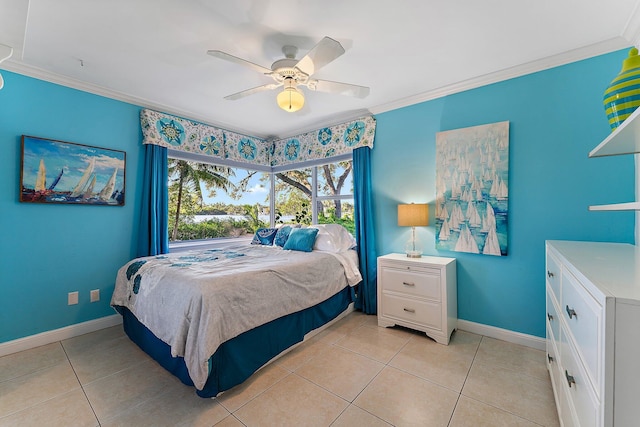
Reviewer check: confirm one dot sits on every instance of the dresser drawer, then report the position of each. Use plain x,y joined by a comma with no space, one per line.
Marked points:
552,355
419,312
578,387
553,321
583,316
420,282
553,275
557,378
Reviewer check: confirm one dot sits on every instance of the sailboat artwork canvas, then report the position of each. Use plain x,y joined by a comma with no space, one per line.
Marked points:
472,189
65,172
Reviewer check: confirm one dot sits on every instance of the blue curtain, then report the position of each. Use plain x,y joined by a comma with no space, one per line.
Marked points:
366,294
154,233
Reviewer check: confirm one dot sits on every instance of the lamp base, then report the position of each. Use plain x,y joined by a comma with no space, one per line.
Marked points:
414,254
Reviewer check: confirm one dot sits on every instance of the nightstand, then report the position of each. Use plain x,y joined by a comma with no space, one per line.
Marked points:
418,293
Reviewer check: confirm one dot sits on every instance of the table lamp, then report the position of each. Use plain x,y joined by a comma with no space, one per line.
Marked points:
413,215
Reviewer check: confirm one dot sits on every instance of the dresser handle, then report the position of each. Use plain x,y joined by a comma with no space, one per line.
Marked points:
570,379
549,274
409,310
550,317
571,312
408,283
550,357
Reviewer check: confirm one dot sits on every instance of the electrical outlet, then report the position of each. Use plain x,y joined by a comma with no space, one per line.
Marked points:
95,295
72,298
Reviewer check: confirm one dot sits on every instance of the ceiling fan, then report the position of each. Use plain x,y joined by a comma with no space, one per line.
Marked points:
290,73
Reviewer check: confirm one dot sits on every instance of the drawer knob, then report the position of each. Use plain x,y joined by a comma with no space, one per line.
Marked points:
408,283
550,357
550,317
549,274
571,312
409,310
570,379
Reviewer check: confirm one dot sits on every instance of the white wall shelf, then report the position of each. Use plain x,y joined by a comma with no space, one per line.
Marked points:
624,140
630,206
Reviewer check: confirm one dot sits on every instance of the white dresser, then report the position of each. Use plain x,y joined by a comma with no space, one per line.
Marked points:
593,332
418,293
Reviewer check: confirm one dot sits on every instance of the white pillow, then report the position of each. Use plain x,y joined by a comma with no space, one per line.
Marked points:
333,238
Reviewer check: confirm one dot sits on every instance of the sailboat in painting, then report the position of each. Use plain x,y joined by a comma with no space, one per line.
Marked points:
491,245
80,187
445,231
41,178
89,191
107,191
466,242
56,181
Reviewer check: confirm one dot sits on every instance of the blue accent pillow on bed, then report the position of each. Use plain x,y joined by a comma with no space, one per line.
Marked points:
282,235
301,239
264,236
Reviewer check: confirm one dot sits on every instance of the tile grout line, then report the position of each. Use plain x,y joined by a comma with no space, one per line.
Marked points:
502,367
465,380
79,382
386,365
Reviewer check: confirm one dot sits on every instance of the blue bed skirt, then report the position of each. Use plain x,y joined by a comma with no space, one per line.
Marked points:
237,359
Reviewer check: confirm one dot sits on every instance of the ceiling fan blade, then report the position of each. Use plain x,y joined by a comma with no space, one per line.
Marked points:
337,87
251,91
223,55
5,52
324,52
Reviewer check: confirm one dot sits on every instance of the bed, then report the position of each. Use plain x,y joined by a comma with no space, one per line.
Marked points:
213,317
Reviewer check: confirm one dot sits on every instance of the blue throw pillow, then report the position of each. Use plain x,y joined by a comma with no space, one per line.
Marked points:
264,236
282,235
301,239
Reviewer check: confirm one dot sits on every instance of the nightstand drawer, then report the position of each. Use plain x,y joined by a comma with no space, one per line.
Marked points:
407,309
420,282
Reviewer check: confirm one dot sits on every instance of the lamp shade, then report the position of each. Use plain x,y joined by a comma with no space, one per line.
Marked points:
413,215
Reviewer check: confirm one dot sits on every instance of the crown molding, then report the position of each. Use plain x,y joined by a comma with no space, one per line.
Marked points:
40,74
564,58
631,30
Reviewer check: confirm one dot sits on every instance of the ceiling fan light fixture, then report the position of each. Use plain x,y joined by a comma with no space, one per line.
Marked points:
290,99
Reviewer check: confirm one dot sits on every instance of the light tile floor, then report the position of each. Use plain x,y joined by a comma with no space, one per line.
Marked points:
352,374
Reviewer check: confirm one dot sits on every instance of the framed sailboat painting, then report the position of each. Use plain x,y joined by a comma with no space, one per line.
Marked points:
64,172
472,197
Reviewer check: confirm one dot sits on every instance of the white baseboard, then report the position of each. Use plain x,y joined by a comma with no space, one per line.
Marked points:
503,334
55,335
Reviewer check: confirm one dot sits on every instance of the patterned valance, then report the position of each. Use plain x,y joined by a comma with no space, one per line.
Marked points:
326,142
193,137
185,135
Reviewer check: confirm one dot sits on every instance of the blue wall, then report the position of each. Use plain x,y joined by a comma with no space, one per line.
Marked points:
556,117
48,250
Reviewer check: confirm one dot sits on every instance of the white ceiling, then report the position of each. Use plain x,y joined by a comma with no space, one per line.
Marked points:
153,52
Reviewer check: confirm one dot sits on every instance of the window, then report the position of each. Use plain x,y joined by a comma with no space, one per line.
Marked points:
335,194
209,201
213,201
329,185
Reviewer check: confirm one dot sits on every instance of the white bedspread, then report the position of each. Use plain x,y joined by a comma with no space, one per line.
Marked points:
194,301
